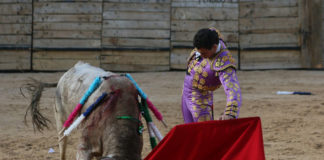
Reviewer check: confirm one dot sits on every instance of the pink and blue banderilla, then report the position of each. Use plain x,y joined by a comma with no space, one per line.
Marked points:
84,115
146,103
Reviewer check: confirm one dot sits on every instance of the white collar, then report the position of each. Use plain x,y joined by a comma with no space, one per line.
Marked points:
197,54
218,47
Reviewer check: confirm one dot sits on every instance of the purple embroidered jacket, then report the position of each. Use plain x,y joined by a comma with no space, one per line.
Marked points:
204,75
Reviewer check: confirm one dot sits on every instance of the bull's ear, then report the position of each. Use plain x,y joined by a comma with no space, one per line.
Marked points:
105,77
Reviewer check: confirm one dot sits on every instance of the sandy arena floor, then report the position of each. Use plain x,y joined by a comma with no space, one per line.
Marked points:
293,125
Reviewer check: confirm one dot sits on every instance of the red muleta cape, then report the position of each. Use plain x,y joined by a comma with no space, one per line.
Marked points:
237,139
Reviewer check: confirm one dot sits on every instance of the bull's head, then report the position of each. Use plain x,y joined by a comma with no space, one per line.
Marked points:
105,133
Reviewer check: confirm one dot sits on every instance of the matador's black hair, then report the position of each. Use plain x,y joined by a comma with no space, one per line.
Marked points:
205,38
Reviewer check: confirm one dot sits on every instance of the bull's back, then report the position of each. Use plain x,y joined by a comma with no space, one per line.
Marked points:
75,82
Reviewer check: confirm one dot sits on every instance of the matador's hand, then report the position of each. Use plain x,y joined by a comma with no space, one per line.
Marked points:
226,117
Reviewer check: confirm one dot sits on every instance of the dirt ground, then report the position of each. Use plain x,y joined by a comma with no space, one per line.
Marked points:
293,125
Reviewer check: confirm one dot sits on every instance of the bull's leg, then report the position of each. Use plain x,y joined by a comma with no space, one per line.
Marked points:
59,114
83,153
62,146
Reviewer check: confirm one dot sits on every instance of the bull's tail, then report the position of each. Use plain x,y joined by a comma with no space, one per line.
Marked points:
35,89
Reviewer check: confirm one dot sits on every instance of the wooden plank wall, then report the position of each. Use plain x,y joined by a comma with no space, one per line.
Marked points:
322,35
148,35
188,16
72,27
269,34
136,35
15,34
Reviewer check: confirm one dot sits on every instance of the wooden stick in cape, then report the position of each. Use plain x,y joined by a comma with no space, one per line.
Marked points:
95,84
148,119
152,129
83,116
150,123
155,111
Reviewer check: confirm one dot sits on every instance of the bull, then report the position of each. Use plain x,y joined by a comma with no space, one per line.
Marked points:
103,135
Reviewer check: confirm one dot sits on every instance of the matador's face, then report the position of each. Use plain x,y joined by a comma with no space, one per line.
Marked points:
207,53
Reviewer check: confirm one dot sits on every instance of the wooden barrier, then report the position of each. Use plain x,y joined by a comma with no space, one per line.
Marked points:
187,17
63,60
113,60
62,29
136,35
322,12
15,34
14,59
139,24
64,24
157,35
269,29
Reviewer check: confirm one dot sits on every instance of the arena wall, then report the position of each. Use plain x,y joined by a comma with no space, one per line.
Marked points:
156,35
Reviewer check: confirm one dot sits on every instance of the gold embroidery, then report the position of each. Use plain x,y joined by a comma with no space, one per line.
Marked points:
217,64
230,85
195,84
225,58
196,68
194,93
203,63
199,70
205,101
204,93
226,66
232,108
203,107
192,65
232,60
235,108
204,74
196,114
193,99
202,81
231,113
229,70
196,77
225,76
194,107
211,61
235,103
195,62
205,88
200,86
